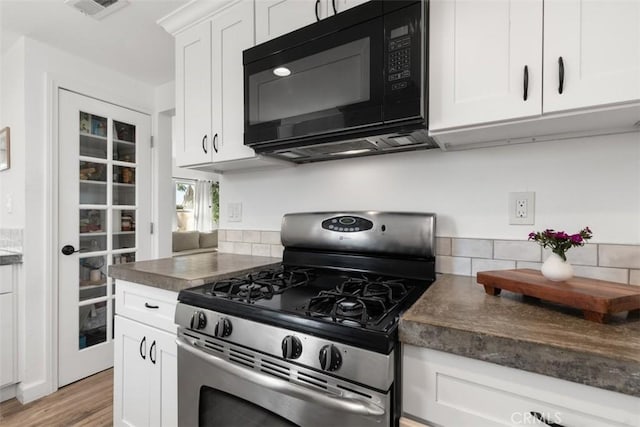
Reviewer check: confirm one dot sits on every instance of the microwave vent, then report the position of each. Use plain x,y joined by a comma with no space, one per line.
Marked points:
341,146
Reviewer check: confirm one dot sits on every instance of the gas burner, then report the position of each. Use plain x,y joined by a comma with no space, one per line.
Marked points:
263,284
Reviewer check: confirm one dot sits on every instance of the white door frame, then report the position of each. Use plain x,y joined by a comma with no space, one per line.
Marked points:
51,239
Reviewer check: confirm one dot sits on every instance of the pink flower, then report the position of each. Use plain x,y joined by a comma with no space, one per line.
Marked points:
576,238
561,235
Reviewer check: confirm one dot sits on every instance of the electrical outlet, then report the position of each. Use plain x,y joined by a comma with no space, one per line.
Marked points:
522,208
234,212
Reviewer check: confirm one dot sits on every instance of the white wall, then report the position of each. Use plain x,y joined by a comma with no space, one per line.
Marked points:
12,183
31,135
591,182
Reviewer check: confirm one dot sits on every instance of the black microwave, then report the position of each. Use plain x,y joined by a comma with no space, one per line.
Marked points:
350,85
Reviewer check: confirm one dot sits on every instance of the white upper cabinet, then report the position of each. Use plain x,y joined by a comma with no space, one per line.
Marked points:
485,61
478,51
342,5
233,32
193,139
275,18
599,43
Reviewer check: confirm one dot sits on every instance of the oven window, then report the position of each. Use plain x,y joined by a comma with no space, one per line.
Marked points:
221,409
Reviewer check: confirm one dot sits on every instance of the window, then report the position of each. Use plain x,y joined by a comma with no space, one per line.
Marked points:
185,197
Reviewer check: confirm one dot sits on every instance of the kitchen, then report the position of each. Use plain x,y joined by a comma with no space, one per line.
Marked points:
600,189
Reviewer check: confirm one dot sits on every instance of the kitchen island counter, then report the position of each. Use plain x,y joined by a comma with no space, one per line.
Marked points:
182,272
456,316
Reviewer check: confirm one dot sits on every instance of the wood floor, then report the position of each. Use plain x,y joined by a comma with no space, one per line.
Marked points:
88,402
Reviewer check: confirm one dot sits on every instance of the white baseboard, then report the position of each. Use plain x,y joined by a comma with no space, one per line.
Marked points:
26,393
8,392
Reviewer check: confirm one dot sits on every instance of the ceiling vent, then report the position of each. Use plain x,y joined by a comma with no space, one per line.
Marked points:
97,9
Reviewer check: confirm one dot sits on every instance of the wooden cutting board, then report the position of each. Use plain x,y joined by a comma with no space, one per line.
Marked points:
596,298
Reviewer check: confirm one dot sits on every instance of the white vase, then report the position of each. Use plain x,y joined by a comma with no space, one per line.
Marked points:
556,269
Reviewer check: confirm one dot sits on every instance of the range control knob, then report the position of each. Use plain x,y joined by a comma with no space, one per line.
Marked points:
223,328
198,320
330,358
291,347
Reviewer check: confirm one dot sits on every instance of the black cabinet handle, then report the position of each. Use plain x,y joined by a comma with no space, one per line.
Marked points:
526,82
68,250
215,143
204,148
146,304
143,353
561,74
317,11
152,352
333,3
540,418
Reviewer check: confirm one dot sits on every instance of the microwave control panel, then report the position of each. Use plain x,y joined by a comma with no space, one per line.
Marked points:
403,29
399,66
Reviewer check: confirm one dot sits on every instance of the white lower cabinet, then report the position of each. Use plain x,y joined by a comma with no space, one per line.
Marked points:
8,326
450,390
145,360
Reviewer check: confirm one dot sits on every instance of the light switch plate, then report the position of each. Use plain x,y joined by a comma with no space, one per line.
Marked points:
522,208
234,212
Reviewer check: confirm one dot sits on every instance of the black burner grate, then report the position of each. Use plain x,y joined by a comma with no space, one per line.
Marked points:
263,284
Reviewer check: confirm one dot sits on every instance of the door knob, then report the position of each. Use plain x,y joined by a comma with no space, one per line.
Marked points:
68,250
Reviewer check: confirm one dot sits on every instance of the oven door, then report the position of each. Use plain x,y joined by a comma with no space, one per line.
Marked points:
225,386
320,85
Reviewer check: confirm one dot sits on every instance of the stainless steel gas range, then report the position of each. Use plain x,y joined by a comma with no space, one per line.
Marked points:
312,342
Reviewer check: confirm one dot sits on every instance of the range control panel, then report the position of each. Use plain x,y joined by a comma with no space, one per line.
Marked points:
348,224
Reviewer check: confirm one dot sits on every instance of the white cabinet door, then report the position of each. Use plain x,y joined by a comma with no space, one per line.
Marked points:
450,390
145,376
277,17
132,373
7,340
232,32
599,43
193,139
342,5
477,59
164,380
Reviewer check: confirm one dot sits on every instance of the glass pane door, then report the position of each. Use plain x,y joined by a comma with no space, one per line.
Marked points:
102,160
107,219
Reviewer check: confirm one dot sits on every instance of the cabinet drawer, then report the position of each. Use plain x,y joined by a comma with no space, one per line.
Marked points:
152,306
450,390
6,279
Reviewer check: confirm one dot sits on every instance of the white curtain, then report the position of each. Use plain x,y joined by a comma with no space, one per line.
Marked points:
202,206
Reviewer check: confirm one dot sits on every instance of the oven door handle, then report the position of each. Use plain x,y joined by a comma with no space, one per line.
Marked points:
344,403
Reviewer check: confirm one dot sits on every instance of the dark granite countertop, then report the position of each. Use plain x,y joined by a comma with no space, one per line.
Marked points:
10,257
456,316
186,271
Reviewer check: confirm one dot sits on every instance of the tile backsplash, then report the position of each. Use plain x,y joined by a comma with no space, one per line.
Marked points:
11,239
615,263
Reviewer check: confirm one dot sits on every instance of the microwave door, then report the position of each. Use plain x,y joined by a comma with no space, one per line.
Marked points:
328,84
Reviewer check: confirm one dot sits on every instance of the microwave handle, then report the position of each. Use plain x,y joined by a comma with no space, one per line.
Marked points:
340,403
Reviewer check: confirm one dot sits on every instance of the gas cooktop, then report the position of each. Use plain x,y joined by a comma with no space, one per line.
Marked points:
345,305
